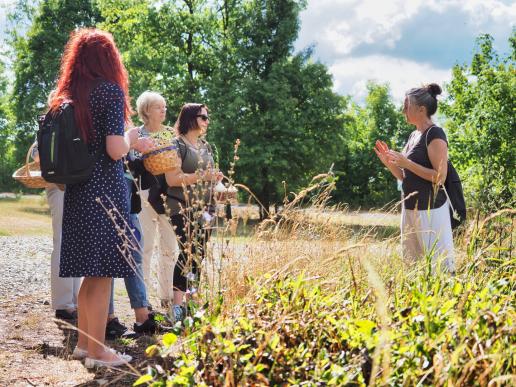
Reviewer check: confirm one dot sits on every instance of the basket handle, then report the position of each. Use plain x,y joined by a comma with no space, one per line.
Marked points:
29,153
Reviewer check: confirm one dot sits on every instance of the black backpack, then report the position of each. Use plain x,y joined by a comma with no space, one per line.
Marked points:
453,189
63,153
454,192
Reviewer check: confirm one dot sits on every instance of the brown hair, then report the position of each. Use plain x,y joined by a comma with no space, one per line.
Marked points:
425,96
187,119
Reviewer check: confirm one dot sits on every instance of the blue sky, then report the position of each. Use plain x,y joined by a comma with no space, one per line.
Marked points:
403,42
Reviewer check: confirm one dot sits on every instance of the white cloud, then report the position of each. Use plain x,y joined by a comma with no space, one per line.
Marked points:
351,75
402,42
483,12
339,26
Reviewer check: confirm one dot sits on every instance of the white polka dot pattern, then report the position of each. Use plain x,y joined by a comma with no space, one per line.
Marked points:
90,240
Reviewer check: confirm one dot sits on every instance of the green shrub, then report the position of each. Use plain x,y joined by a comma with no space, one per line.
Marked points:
440,330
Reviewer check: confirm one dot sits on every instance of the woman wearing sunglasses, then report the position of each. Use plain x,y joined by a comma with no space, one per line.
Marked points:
190,199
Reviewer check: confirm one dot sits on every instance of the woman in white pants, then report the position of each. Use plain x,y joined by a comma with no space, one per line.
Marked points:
422,167
63,291
156,227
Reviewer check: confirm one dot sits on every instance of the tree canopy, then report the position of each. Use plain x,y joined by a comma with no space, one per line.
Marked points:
237,56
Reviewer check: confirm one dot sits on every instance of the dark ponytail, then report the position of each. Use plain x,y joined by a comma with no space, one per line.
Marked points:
426,96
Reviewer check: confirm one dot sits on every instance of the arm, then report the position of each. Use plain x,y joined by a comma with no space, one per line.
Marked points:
118,143
438,155
118,146
177,178
396,171
35,153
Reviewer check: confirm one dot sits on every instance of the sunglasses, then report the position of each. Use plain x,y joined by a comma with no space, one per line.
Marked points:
203,117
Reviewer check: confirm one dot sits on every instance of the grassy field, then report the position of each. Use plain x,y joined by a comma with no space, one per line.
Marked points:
25,215
321,295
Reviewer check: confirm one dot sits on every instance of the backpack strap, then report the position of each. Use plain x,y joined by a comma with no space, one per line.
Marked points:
454,212
213,152
182,148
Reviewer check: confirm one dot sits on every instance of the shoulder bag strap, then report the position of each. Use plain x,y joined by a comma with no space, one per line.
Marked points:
455,214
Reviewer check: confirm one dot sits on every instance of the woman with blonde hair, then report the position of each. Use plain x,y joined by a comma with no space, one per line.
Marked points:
152,109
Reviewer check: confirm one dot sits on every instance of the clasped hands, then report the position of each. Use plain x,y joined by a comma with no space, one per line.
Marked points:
390,157
139,144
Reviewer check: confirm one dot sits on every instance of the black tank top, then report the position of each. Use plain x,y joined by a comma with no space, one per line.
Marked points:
423,194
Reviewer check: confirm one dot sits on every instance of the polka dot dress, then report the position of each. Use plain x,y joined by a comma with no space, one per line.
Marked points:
96,212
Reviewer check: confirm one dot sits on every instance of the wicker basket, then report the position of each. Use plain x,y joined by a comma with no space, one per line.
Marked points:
30,174
225,194
161,159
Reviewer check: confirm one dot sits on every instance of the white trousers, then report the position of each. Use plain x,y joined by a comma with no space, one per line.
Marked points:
157,229
63,291
428,232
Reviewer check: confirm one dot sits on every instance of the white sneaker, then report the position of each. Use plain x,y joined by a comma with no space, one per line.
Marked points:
79,353
89,362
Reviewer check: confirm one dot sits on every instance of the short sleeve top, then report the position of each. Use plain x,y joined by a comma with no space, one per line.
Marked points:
192,160
420,193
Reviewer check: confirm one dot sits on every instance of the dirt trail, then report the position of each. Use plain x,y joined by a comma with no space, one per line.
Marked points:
34,348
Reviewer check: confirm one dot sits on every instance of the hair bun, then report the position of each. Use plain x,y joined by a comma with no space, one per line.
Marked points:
434,89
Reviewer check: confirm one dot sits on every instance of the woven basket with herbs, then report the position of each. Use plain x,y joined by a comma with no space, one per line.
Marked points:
163,156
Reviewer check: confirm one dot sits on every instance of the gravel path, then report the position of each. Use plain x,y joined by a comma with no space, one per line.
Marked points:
24,265
34,348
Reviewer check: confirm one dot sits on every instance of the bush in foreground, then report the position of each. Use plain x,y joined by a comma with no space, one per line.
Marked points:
430,330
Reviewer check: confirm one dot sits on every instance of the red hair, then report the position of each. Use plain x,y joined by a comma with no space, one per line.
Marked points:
89,54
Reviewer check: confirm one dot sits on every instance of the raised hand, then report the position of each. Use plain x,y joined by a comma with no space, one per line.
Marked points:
212,175
381,149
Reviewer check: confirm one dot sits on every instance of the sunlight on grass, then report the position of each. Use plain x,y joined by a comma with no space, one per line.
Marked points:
27,215
317,293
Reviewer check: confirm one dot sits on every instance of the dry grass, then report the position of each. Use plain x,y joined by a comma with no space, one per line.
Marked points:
328,244
359,267
26,215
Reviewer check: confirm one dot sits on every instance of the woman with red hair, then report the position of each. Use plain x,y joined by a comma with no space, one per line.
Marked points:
96,225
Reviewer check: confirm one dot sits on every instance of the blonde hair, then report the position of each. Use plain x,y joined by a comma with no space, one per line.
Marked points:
144,102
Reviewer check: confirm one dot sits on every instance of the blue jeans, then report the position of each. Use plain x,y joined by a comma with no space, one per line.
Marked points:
135,285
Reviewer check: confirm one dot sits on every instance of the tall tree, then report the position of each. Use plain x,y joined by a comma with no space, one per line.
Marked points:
37,55
168,47
7,164
481,122
363,181
280,105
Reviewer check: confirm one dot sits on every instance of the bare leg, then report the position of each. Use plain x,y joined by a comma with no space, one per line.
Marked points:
178,297
82,315
96,309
